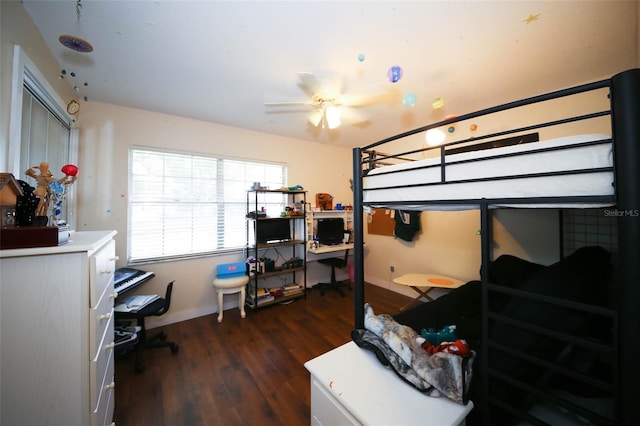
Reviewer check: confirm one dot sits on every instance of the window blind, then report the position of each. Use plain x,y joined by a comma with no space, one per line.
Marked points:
184,205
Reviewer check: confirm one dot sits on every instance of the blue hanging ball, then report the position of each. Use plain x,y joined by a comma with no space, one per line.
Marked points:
451,129
361,58
394,74
409,100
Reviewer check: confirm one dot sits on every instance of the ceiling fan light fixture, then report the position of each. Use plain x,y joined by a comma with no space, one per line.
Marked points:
332,115
435,137
315,117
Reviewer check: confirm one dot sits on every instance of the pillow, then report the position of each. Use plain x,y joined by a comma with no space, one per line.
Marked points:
460,307
511,271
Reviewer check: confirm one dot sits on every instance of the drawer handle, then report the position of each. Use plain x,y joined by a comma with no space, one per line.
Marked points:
105,316
110,345
114,258
113,295
106,272
110,385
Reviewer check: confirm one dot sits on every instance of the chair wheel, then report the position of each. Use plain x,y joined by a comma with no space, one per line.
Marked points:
174,348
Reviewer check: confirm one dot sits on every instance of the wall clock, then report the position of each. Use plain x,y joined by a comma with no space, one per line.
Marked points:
73,107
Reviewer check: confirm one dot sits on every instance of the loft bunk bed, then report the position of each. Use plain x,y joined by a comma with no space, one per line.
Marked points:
566,335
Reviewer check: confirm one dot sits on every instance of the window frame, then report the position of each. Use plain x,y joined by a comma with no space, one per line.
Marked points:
238,203
25,73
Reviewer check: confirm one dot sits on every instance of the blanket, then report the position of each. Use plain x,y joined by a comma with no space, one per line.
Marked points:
400,348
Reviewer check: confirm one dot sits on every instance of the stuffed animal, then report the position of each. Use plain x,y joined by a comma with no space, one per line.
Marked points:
459,347
447,334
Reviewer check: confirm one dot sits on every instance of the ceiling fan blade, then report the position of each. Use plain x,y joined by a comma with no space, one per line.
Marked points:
352,115
309,83
315,117
289,103
367,96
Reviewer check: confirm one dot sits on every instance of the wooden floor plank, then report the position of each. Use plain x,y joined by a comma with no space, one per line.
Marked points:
240,371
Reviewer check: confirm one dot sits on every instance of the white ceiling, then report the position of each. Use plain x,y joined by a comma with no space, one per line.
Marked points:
219,61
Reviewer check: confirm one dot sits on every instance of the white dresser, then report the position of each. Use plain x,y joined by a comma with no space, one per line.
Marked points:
349,386
56,333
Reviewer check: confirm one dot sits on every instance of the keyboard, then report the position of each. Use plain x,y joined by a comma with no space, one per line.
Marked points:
127,279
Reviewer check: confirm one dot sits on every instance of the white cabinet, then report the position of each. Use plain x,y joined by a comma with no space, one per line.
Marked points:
56,331
349,386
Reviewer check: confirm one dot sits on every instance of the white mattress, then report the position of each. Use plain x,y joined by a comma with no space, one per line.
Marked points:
566,157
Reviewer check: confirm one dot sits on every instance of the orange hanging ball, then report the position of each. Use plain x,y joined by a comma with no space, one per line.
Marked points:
473,127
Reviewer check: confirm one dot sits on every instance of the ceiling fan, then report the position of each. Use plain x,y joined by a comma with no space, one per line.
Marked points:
331,107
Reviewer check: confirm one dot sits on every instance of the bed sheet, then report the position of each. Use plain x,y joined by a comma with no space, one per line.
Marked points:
512,176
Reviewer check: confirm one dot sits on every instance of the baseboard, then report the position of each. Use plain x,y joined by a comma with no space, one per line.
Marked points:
174,317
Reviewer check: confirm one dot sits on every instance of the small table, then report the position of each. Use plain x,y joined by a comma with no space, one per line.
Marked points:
427,281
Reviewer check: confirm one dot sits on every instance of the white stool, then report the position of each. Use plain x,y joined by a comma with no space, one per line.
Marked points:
229,286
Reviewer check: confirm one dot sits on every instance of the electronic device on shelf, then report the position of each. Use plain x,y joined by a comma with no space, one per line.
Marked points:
330,231
274,230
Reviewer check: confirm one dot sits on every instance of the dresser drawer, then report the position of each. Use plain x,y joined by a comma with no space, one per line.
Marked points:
101,367
102,411
103,266
99,318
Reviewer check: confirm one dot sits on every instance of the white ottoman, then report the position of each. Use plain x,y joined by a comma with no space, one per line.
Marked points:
229,286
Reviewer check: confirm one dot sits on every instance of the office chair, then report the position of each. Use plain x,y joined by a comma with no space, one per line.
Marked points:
156,308
335,262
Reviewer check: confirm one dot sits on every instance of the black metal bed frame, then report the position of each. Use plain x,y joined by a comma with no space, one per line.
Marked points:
624,349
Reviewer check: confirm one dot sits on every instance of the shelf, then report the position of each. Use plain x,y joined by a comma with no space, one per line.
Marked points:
295,247
278,272
292,217
276,300
280,244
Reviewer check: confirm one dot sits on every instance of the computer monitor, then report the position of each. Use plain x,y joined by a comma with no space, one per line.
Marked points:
273,230
330,231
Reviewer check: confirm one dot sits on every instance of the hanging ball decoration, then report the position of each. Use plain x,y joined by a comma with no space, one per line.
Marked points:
394,74
409,100
473,127
73,74
69,170
450,116
451,129
361,58
437,103
86,99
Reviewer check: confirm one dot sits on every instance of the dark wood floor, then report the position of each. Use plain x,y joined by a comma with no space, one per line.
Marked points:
243,371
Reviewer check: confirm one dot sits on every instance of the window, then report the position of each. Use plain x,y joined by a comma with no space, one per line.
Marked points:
39,128
184,205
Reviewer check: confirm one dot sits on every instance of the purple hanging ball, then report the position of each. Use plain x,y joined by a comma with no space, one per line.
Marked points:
394,74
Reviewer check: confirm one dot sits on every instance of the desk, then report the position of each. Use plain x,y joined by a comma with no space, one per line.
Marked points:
428,282
330,249
349,386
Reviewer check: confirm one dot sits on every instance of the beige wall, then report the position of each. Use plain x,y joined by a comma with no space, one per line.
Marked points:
448,244
108,131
